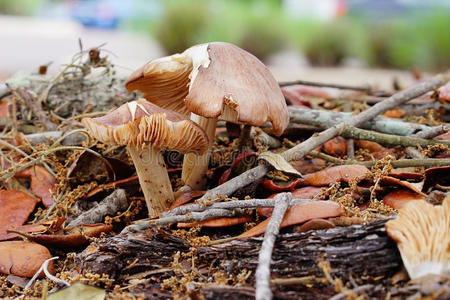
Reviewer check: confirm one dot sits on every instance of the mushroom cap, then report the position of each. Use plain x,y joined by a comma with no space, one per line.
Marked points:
214,80
141,122
422,234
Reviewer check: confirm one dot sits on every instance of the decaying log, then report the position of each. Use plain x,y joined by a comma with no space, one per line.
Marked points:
360,251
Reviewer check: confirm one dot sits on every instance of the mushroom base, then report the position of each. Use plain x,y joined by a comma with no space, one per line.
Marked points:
153,178
195,166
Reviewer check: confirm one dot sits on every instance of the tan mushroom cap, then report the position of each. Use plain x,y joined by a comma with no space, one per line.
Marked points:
141,122
214,80
422,234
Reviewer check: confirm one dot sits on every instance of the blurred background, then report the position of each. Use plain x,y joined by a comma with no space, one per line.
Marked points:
298,39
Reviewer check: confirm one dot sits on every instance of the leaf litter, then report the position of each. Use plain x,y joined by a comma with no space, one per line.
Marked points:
64,181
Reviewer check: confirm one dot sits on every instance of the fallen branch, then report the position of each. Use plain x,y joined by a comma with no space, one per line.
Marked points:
327,119
388,139
401,163
247,204
45,137
329,85
191,217
115,202
313,142
425,134
265,253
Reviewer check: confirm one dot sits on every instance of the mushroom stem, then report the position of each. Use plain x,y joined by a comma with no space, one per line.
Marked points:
195,166
153,177
244,137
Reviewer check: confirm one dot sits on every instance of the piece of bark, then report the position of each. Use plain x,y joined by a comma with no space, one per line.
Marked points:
51,136
115,202
359,251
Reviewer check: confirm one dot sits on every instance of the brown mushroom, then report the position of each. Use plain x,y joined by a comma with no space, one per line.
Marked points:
212,81
422,234
146,129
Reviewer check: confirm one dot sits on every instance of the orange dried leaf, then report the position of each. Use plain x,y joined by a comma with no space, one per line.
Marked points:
301,193
219,222
23,258
336,147
16,206
42,183
395,113
299,214
70,237
369,146
315,224
413,186
343,173
397,199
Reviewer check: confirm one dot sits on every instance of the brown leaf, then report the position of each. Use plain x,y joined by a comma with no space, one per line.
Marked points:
444,136
15,206
294,98
304,192
395,113
397,199
336,147
219,222
298,214
413,186
23,259
369,146
43,227
72,237
315,224
42,183
437,175
343,173
90,167
279,186
444,92
186,197
307,166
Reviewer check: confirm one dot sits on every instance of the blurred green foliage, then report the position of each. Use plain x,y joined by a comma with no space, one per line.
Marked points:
262,28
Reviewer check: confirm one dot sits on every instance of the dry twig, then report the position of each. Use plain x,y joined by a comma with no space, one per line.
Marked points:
265,253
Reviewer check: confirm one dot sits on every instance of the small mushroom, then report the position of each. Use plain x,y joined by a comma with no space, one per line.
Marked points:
422,234
209,82
146,129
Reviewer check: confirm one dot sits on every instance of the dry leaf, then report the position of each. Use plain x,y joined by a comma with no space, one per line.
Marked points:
336,147
343,173
23,259
279,163
298,214
80,292
42,183
186,197
397,199
315,224
70,237
15,206
219,222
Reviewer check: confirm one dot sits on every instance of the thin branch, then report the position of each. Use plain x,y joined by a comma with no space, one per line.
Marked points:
262,275
388,139
330,85
248,204
425,134
401,163
326,119
313,142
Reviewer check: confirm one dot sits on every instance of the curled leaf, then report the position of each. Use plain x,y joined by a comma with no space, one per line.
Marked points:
315,224
398,199
279,163
70,237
